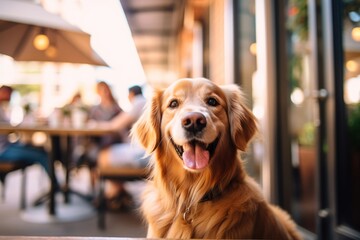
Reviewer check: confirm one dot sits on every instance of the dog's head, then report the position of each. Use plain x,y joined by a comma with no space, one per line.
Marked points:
196,122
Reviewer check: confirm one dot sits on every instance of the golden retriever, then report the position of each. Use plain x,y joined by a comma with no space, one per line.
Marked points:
198,187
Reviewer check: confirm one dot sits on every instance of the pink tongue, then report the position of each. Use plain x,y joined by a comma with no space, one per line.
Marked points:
195,156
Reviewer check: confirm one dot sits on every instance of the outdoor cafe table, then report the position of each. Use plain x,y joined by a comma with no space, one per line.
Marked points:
51,132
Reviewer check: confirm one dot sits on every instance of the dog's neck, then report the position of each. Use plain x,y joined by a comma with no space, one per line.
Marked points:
211,195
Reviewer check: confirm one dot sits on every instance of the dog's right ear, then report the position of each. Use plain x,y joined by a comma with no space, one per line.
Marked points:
243,124
147,128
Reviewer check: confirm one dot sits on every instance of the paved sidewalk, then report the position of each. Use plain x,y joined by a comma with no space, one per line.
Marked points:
12,224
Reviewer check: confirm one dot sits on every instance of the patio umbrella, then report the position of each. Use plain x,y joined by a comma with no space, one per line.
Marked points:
22,21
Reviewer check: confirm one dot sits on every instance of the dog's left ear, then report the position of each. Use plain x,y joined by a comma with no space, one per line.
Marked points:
242,121
147,128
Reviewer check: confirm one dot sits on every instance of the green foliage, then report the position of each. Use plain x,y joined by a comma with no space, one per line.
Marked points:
298,18
296,71
354,126
350,5
298,15
25,89
307,135
66,111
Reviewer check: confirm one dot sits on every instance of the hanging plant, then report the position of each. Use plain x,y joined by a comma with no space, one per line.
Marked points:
298,18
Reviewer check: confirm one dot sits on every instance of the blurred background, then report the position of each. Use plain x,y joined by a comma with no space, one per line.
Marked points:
297,62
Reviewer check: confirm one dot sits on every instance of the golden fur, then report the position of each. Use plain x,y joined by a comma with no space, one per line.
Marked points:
174,204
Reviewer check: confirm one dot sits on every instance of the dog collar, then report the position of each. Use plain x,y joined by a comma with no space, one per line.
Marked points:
211,195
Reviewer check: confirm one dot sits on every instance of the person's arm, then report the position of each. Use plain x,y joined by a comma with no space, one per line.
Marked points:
121,121
3,118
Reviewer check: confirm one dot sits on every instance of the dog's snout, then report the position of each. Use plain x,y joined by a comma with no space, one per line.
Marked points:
194,122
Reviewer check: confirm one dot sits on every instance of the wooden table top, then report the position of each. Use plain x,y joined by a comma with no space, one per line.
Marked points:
61,130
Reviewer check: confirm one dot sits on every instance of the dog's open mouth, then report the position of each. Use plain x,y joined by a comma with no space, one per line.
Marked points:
195,154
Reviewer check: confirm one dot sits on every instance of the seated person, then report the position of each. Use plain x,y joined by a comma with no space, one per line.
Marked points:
126,153
106,110
11,152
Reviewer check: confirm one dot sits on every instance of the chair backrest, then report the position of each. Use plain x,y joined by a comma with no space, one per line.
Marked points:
10,166
120,174
123,173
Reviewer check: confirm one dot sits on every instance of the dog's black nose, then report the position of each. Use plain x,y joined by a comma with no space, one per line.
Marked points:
194,122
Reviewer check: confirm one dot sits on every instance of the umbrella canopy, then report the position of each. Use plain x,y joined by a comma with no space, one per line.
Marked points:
21,22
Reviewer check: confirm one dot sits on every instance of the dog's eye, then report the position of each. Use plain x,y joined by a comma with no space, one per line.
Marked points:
212,102
174,104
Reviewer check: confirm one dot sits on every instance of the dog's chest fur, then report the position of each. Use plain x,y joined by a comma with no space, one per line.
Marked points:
176,220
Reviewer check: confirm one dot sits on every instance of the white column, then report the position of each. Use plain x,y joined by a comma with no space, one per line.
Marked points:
266,74
228,41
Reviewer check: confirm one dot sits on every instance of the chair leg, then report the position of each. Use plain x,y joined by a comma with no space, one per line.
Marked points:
23,190
102,205
93,179
2,180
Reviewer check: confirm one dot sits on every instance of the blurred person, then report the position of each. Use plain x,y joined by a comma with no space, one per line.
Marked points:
12,152
108,107
105,110
125,154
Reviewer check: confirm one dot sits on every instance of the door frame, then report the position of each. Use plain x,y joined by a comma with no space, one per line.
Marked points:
283,143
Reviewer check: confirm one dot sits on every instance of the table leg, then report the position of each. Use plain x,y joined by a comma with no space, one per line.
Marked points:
52,211
67,163
74,208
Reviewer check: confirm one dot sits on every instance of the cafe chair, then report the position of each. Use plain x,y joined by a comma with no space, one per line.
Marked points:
121,174
7,167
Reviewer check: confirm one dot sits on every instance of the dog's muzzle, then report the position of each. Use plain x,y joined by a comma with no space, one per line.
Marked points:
196,155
